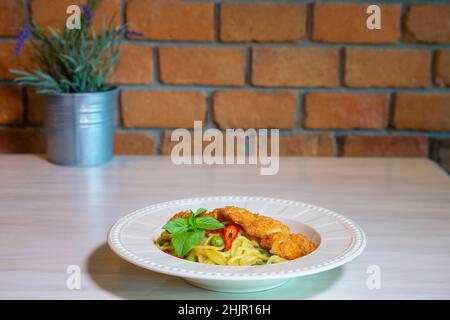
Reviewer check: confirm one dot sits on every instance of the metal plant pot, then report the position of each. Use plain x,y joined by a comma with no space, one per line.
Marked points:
79,127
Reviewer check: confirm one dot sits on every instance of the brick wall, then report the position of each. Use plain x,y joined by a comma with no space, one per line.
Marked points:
314,70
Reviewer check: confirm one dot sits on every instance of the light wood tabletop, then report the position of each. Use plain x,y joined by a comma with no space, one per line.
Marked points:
53,217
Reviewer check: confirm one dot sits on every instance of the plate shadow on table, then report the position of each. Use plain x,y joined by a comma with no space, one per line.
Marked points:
128,281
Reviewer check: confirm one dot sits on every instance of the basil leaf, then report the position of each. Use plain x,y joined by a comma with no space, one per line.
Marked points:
200,211
178,242
195,239
208,223
177,226
184,242
191,219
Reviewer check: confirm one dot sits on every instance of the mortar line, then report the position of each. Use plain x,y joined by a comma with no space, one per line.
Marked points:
335,89
209,121
295,44
123,14
433,65
216,22
341,66
207,88
299,44
403,12
309,21
337,133
391,110
156,76
26,11
301,106
248,65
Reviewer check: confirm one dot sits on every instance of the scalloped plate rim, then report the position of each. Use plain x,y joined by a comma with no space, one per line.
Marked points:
355,249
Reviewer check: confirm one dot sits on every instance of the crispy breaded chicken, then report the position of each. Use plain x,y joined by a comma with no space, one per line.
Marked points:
185,214
288,245
253,224
272,234
181,214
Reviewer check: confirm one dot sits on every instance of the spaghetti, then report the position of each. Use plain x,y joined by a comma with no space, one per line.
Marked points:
243,252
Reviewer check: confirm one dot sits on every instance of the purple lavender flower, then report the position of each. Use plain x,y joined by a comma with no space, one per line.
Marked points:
25,33
87,13
130,33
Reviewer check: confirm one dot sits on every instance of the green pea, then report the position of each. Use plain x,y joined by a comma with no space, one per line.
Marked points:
191,258
217,241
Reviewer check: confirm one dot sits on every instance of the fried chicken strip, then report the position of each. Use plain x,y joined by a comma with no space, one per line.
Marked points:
289,246
272,234
185,214
253,224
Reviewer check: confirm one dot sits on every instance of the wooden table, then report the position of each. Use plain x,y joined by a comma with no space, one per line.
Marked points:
52,217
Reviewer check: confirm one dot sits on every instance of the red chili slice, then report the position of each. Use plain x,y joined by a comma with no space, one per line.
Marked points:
229,234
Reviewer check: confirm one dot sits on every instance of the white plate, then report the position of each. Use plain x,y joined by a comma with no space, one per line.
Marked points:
340,240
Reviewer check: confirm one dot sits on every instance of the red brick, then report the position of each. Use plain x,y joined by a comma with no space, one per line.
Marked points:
21,141
52,13
304,67
135,65
441,152
375,67
133,143
385,146
8,61
11,17
308,145
255,109
162,109
422,111
346,111
262,22
427,23
172,20
10,105
442,68
347,23
202,65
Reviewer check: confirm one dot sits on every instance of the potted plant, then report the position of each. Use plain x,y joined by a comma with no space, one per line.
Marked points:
70,72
